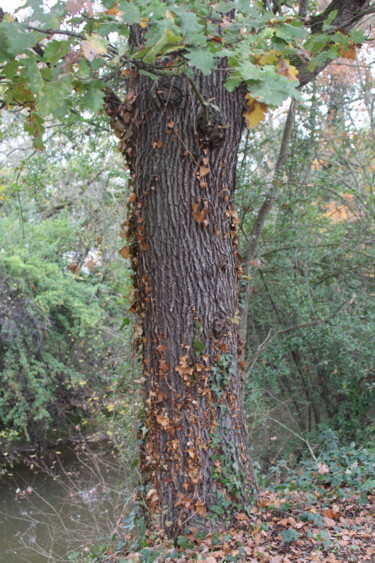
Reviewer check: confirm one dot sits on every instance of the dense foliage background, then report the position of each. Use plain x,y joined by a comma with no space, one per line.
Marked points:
65,290
314,265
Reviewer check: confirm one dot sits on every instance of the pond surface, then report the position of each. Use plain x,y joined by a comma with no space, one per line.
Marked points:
61,504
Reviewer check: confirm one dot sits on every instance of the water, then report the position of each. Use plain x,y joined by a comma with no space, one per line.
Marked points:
61,504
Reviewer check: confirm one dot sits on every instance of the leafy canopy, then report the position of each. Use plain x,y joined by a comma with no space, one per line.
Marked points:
57,59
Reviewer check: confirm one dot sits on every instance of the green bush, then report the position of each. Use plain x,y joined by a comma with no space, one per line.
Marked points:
52,346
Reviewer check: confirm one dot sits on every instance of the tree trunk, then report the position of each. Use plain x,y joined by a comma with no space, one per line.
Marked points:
182,233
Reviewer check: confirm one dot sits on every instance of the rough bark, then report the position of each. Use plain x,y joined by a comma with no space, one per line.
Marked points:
183,244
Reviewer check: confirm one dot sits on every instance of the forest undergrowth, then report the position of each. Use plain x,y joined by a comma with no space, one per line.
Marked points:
322,510
281,528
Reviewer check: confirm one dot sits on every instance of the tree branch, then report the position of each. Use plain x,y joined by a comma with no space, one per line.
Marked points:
302,8
56,32
264,211
348,13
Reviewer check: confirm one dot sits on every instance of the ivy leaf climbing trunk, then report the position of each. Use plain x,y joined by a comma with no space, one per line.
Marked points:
181,147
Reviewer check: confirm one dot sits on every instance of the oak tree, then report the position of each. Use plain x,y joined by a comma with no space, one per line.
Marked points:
180,81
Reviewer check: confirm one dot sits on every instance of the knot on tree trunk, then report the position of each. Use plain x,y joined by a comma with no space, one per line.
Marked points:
219,326
168,91
211,125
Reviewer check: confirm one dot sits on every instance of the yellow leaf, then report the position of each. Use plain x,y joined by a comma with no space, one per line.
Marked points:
152,493
269,58
256,112
349,52
203,171
144,23
200,508
125,252
242,517
199,216
114,11
286,69
164,421
110,408
170,15
93,46
329,522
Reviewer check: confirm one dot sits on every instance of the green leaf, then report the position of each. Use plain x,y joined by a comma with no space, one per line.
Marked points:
289,535
201,59
323,57
248,71
125,323
225,7
233,81
130,12
363,499
329,20
317,42
198,346
358,36
15,38
10,69
149,74
244,6
55,50
168,43
84,69
53,99
135,461
274,89
112,27
283,36
94,97
188,22
32,74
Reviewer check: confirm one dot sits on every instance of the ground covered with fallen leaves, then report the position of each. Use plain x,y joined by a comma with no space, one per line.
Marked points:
283,527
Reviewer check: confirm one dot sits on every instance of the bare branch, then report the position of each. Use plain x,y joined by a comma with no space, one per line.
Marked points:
262,215
295,434
302,8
